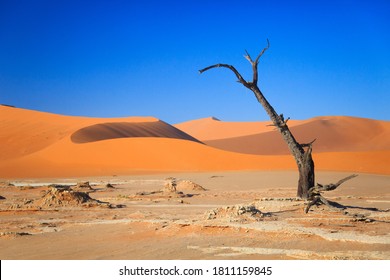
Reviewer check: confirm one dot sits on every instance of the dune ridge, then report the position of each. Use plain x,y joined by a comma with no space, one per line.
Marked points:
211,128
332,134
37,144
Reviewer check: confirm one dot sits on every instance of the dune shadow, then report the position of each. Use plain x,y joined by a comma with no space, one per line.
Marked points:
115,130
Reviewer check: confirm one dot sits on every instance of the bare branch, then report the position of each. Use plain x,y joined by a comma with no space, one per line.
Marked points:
308,144
248,57
238,75
262,52
315,196
256,62
316,200
331,187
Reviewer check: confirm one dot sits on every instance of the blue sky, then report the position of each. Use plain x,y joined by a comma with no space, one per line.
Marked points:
141,58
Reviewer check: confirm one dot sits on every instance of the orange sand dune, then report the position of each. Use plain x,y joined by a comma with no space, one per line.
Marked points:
35,144
23,132
145,155
131,156
212,128
333,134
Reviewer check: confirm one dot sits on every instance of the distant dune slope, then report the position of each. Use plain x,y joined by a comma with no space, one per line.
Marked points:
36,144
23,132
211,128
333,134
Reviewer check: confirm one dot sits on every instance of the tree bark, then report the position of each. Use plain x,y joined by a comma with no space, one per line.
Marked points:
303,158
306,175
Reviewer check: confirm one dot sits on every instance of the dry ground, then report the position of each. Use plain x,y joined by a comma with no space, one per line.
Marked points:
240,215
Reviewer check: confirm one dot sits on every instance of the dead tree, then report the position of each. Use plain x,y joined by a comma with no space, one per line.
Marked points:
301,152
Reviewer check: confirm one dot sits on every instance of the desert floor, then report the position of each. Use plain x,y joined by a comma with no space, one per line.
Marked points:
239,215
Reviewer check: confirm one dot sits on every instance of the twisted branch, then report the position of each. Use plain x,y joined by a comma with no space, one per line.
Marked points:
238,75
315,196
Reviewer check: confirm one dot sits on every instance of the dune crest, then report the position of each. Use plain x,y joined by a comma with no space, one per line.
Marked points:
208,129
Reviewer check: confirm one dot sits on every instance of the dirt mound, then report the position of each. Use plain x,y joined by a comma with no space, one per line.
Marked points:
83,187
189,185
236,213
168,192
62,196
5,184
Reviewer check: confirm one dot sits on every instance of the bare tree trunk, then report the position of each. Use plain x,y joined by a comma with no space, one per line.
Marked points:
306,175
302,157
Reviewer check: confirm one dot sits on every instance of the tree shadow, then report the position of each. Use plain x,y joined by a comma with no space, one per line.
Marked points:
357,217
345,207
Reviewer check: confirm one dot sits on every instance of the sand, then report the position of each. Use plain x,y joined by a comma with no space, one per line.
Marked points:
233,197
143,222
37,144
333,134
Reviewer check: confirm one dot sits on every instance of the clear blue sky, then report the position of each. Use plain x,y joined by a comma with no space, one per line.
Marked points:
141,58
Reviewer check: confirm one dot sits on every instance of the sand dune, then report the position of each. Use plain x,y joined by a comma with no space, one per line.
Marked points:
132,156
24,132
333,134
36,144
212,128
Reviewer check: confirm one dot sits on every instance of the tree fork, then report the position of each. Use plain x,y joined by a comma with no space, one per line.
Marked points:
302,157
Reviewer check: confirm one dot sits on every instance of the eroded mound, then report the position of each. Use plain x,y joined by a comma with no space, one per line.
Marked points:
171,190
5,184
83,187
61,196
189,185
236,213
